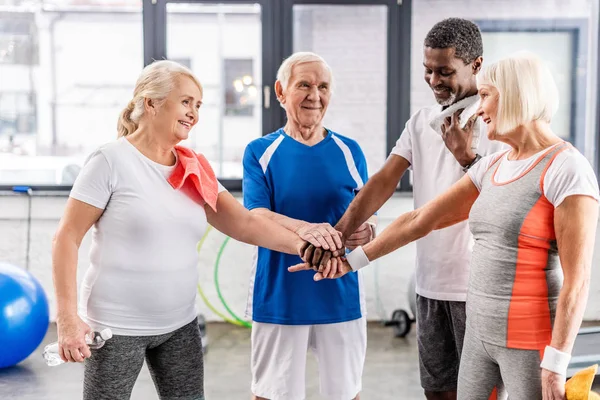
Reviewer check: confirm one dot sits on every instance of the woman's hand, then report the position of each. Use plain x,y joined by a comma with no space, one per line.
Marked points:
553,386
335,268
71,339
321,235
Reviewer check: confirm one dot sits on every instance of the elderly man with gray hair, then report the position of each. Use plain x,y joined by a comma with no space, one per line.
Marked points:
304,176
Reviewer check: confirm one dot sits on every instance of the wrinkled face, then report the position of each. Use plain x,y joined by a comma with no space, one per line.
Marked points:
307,94
488,108
179,112
449,77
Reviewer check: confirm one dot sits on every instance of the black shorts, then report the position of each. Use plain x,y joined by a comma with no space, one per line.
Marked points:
440,335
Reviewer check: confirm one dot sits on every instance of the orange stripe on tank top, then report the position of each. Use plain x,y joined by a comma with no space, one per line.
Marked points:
529,321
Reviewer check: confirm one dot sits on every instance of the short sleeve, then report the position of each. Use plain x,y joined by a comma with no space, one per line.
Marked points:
403,147
254,183
477,171
570,174
94,183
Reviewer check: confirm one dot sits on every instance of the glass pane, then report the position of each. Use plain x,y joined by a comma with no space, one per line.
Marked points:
563,33
552,47
67,69
222,45
358,58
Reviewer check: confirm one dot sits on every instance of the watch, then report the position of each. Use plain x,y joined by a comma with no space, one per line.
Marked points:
477,158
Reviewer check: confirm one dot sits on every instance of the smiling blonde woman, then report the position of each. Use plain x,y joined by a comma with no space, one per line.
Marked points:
141,282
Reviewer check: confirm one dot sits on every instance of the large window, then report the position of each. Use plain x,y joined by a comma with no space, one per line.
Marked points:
563,34
241,93
562,44
67,69
224,46
358,58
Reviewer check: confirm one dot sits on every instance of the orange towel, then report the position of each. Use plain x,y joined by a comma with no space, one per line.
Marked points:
579,386
195,177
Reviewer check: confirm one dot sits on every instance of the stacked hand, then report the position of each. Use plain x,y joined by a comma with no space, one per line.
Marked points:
330,262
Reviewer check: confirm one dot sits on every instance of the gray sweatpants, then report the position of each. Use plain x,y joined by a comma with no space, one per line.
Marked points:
492,372
174,360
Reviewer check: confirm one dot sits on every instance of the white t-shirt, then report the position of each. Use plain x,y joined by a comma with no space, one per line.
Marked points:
569,174
143,261
443,256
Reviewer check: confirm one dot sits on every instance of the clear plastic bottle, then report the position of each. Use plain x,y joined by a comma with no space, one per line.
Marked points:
94,339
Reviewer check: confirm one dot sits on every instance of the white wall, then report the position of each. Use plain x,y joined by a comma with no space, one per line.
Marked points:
386,282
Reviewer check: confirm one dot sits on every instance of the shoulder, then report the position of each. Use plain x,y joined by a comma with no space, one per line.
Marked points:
351,143
570,162
110,152
259,145
424,113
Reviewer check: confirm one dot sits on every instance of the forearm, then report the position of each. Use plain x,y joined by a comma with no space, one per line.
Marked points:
569,314
262,231
287,222
64,274
405,229
370,199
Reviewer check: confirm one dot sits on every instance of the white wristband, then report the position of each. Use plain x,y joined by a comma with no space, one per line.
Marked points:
357,258
555,361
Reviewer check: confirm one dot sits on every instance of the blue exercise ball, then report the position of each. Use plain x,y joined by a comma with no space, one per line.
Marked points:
24,315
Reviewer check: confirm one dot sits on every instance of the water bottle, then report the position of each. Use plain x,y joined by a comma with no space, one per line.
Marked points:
95,340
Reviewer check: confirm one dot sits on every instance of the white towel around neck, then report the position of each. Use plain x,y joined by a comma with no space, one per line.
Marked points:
469,106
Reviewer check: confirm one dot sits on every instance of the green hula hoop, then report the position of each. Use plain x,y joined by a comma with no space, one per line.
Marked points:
218,287
201,292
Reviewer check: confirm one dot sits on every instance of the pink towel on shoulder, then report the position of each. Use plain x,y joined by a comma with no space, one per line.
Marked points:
195,177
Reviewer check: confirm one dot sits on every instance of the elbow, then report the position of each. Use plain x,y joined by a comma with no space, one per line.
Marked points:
65,237
422,226
380,180
245,233
577,286
57,240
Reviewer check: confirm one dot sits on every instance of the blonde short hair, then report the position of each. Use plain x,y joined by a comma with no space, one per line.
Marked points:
527,90
155,82
284,73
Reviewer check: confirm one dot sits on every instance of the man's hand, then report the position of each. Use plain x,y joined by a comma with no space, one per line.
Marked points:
321,235
335,268
459,140
553,386
363,235
318,258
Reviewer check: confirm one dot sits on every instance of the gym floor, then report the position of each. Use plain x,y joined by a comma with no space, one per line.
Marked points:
391,370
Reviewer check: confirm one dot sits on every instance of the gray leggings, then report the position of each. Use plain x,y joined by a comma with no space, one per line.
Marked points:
174,360
492,372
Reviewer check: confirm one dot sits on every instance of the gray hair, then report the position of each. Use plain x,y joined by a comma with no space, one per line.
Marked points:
285,70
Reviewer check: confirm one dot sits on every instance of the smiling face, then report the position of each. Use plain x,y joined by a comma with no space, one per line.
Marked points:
179,112
448,76
488,108
307,94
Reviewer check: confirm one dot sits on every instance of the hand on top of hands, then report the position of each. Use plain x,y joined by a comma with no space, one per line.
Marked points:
330,263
